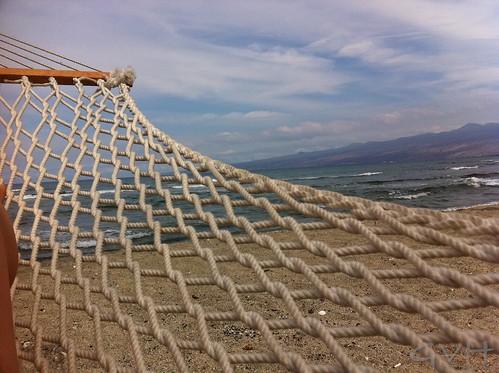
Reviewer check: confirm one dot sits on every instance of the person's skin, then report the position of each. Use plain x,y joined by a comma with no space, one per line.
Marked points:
8,270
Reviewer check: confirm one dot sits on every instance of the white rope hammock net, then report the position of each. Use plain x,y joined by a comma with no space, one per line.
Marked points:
99,198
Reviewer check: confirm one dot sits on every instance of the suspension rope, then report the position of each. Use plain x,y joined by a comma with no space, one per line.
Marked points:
24,55
47,52
26,58
14,60
39,55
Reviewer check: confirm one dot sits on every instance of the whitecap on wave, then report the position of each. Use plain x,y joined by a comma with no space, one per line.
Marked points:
64,238
190,186
477,182
463,168
408,196
369,173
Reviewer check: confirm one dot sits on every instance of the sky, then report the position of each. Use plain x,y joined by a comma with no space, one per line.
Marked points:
246,80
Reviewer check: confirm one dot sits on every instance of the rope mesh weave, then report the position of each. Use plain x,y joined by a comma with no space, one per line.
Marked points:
138,254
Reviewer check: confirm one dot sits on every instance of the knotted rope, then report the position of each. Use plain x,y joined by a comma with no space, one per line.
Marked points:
140,254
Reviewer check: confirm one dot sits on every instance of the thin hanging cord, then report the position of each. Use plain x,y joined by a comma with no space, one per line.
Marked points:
39,55
26,58
49,52
14,60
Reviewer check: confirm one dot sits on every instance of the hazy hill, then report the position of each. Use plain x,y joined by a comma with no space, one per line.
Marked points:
471,140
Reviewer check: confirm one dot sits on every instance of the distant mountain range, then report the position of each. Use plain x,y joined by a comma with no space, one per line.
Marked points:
471,140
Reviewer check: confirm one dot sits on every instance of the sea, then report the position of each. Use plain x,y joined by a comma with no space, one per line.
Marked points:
442,185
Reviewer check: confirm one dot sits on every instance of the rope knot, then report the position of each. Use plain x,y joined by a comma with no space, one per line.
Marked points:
118,76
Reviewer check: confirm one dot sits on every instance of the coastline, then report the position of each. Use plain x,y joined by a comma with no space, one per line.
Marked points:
235,336
480,207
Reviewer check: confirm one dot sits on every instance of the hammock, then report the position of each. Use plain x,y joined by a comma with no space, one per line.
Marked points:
139,254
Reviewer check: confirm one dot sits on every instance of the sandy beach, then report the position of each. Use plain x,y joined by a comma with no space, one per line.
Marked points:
175,308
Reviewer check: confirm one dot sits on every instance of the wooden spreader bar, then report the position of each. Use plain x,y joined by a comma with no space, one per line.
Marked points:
63,77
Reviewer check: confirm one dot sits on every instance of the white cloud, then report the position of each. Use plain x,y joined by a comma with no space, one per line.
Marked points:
260,114
227,152
407,115
237,115
278,140
375,52
465,20
470,77
196,70
232,137
305,130
300,74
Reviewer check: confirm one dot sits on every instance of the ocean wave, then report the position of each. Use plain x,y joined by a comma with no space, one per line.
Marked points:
69,194
463,168
488,175
311,178
29,196
113,191
82,244
139,234
368,174
64,238
480,205
320,177
409,196
190,186
131,234
437,189
477,182
33,196
107,191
